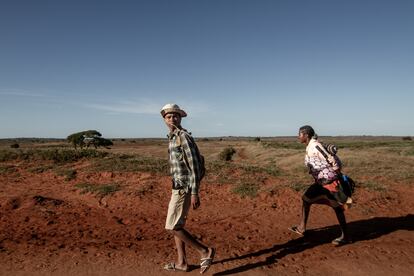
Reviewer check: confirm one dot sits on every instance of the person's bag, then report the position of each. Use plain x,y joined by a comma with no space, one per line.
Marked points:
201,165
347,185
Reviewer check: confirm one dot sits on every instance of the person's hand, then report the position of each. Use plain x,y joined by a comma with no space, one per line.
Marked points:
195,201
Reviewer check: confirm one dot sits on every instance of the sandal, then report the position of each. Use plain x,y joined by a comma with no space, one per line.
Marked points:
206,262
296,230
340,241
173,267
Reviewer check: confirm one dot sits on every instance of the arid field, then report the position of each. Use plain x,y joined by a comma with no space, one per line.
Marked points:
102,212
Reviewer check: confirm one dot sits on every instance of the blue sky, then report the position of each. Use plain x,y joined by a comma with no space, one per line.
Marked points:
241,68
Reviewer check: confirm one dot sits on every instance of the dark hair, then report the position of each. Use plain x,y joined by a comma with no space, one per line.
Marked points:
308,130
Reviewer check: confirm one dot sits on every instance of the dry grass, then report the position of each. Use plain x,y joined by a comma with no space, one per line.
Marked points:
100,190
373,162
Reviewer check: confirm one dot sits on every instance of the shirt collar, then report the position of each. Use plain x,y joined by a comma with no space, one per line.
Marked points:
310,144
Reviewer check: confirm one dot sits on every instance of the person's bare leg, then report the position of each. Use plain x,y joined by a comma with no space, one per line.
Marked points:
187,238
181,256
305,214
340,215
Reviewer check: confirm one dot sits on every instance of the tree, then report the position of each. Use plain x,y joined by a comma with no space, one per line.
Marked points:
88,138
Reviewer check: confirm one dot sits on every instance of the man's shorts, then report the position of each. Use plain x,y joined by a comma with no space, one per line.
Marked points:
178,209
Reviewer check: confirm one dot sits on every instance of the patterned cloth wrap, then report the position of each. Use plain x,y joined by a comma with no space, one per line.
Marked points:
321,170
326,172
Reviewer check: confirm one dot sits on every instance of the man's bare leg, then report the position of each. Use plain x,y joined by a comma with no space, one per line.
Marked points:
305,215
181,258
342,223
185,237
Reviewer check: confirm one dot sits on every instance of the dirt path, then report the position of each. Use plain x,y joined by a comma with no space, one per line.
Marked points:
48,227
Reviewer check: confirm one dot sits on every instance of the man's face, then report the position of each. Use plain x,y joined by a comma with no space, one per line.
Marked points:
302,137
172,119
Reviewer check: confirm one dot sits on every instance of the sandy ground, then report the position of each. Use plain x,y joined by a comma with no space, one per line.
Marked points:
48,227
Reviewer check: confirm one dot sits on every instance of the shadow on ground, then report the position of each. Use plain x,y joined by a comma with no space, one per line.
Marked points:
359,230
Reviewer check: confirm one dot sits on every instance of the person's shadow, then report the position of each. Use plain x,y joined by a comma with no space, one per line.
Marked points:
359,231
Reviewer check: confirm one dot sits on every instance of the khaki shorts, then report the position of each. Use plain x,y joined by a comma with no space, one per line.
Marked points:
178,209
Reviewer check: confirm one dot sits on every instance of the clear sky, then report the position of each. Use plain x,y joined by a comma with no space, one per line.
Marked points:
240,68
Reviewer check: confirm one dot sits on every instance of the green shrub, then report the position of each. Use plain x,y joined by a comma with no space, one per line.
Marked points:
15,146
77,139
227,154
246,189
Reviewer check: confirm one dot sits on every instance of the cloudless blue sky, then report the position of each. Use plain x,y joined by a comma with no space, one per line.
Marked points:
241,68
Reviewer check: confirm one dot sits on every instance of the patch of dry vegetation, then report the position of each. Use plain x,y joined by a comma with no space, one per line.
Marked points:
100,190
374,164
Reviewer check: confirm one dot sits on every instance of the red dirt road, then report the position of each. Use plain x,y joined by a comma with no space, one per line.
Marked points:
48,227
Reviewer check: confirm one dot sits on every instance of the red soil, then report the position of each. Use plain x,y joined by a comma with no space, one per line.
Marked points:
48,227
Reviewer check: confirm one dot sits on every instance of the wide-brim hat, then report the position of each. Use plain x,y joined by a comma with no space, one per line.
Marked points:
172,108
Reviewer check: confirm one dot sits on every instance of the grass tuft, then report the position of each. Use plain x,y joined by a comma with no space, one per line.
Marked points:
101,190
246,190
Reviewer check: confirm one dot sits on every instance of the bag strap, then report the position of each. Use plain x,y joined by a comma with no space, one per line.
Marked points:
324,154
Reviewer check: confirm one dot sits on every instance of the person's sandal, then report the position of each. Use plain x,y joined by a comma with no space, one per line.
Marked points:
340,241
206,262
173,267
296,230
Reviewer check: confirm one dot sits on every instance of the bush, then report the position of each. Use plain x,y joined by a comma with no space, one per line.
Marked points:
76,139
88,138
15,146
227,154
407,138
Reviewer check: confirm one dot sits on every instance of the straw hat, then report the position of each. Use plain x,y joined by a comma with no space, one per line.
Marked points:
172,108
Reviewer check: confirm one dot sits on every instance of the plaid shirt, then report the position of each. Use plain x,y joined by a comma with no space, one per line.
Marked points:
183,160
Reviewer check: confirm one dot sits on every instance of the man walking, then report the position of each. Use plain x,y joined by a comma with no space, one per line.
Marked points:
186,170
